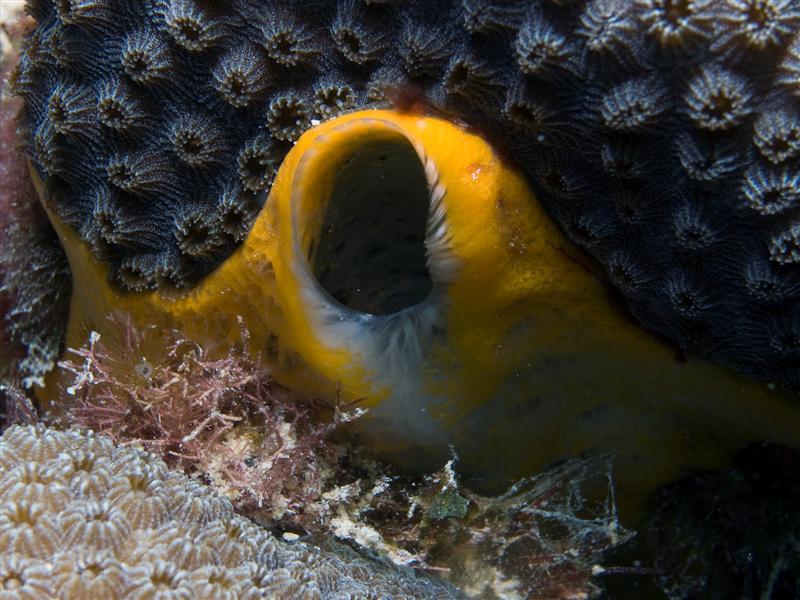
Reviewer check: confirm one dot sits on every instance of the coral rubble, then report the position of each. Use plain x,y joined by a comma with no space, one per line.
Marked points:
544,538
659,134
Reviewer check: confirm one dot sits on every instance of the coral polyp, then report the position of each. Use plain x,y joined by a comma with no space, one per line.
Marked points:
85,12
770,192
757,24
777,136
256,161
71,110
118,109
678,24
287,40
240,76
145,57
356,38
717,99
784,248
190,26
197,141
288,117
539,47
632,106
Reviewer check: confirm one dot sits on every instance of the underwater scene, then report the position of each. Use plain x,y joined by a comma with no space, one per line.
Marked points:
399,299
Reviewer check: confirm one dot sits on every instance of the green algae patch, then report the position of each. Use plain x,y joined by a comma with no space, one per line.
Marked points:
448,504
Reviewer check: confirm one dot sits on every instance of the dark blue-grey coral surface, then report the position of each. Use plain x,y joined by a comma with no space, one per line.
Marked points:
663,135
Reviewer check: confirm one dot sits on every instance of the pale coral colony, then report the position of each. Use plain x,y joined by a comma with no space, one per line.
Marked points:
81,518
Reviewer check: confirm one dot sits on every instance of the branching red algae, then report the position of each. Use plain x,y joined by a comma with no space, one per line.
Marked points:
223,418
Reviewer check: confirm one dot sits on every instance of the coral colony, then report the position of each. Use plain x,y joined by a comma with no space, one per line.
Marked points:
661,135
83,518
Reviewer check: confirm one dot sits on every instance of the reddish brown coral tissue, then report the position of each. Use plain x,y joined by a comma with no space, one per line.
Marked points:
15,186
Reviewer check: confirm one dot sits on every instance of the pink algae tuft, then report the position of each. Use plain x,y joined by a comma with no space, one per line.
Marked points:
222,418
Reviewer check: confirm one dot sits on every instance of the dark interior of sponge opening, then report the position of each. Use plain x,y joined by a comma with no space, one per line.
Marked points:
370,252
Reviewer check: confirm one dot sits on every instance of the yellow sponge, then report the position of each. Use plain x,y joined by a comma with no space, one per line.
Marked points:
400,261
